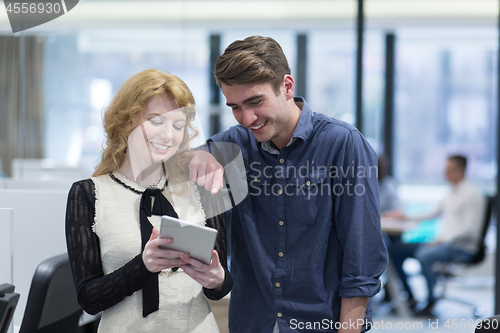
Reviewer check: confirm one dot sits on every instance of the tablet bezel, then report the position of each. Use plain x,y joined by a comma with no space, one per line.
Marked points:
198,241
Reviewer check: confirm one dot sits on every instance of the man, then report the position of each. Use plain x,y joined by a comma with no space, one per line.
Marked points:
306,246
462,213
390,203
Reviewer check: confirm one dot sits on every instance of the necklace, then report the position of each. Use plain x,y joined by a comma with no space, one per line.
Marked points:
154,185
157,182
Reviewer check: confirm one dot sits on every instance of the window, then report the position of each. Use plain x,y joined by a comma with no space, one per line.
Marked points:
445,103
84,71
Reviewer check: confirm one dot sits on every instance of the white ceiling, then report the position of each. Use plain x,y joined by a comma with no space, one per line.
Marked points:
271,13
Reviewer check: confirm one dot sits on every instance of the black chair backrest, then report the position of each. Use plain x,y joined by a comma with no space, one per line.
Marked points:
481,252
8,303
52,305
491,324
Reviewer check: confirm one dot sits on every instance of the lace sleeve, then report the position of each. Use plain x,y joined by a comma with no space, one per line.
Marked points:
219,222
96,291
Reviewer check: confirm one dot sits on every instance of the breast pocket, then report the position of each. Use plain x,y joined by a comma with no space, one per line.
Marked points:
308,195
258,183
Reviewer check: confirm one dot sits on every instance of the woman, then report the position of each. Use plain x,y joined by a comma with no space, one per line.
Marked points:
119,264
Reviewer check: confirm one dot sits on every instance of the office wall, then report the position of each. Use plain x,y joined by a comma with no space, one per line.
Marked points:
6,263
38,233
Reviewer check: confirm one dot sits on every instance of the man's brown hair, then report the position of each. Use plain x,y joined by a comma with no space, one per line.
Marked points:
255,59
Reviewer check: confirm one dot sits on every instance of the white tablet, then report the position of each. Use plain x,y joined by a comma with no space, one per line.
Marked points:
196,240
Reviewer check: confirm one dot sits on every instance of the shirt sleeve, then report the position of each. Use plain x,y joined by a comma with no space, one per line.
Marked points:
96,291
357,220
219,222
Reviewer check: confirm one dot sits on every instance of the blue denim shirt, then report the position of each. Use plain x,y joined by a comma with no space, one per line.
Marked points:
308,233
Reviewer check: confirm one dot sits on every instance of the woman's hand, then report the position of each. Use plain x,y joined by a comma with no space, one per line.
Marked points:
209,276
156,258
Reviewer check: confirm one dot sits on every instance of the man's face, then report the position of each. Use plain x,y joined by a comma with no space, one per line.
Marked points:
256,107
453,172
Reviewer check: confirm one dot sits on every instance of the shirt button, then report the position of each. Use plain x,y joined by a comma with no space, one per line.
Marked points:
280,191
308,183
281,254
279,315
282,223
282,160
255,179
278,284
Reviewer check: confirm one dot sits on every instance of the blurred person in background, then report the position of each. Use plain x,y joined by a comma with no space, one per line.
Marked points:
461,212
390,204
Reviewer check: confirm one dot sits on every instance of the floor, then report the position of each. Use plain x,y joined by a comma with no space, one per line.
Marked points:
220,310
450,316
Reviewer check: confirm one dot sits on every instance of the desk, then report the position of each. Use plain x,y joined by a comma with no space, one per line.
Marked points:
393,226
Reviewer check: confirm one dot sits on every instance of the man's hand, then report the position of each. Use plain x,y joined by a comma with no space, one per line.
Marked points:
352,313
206,171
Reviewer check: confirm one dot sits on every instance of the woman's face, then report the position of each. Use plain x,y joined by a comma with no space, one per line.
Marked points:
159,133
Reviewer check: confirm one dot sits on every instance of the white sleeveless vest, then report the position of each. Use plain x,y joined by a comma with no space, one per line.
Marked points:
183,306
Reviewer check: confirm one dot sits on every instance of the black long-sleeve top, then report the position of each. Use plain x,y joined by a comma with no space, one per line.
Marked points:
96,291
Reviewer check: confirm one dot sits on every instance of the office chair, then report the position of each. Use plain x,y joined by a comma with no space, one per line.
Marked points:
491,324
8,303
52,305
447,271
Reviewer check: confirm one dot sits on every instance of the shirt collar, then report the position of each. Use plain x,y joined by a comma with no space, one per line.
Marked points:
302,131
304,126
